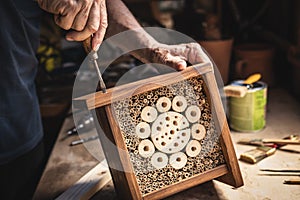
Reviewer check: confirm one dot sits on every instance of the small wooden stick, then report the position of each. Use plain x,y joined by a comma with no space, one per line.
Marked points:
294,181
281,141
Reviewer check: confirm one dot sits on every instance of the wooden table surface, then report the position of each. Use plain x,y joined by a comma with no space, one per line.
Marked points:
67,163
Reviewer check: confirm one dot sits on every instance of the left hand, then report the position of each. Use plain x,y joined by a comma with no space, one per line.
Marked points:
175,56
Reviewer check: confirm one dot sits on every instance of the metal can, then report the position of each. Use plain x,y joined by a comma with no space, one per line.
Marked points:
248,113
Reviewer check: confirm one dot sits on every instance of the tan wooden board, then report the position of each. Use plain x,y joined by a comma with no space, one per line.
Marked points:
89,184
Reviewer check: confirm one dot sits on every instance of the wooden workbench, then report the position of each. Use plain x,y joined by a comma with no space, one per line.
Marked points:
68,163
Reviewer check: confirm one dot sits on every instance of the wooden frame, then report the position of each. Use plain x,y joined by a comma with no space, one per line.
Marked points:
124,173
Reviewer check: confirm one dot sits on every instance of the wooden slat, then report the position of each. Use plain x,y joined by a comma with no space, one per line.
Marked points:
100,99
111,152
187,183
130,180
234,177
89,184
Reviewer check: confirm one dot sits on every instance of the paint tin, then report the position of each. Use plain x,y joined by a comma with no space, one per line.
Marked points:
248,114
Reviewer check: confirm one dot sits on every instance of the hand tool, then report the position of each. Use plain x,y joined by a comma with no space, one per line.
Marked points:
85,124
280,170
76,142
252,79
281,142
255,155
265,149
291,139
93,56
241,90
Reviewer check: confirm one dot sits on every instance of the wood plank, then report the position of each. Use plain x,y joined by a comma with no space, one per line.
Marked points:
130,180
110,150
66,164
100,99
188,183
234,177
89,184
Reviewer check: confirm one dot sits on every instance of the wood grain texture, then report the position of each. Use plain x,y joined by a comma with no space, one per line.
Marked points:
130,179
100,99
111,153
234,177
89,184
115,148
188,183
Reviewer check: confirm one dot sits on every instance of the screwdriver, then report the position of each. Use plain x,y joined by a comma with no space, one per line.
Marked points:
93,55
84,124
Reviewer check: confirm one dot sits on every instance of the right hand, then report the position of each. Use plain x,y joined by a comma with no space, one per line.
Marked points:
85,17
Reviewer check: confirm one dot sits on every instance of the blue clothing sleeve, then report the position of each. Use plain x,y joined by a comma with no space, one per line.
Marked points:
20,121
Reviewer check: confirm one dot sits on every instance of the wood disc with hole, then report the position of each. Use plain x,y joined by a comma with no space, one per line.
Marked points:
163,104
193,113
143,130
178,160
159,160
179,104
193,148
149,114
146,148
198,131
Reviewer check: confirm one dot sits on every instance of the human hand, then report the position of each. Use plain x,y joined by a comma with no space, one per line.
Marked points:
85,17
177,56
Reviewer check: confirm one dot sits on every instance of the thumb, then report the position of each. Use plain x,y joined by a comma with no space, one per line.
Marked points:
176,62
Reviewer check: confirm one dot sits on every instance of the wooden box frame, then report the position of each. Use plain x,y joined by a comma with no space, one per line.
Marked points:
125,182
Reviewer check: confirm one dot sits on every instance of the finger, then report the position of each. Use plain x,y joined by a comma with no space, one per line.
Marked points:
99,35
202,55
81,18
66,16
196,54
163,56
91,27
192,52
176,62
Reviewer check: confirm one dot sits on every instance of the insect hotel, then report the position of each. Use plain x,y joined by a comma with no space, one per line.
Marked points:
165,134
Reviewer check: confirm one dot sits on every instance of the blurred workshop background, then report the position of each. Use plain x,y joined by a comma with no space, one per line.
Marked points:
242,37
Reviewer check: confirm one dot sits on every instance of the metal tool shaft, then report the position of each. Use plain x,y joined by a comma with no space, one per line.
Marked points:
94,57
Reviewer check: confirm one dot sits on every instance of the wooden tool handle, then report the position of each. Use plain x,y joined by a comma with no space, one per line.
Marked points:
87,44
295,181
281,141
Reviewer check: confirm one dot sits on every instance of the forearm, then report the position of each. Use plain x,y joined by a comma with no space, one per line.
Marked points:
121,19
